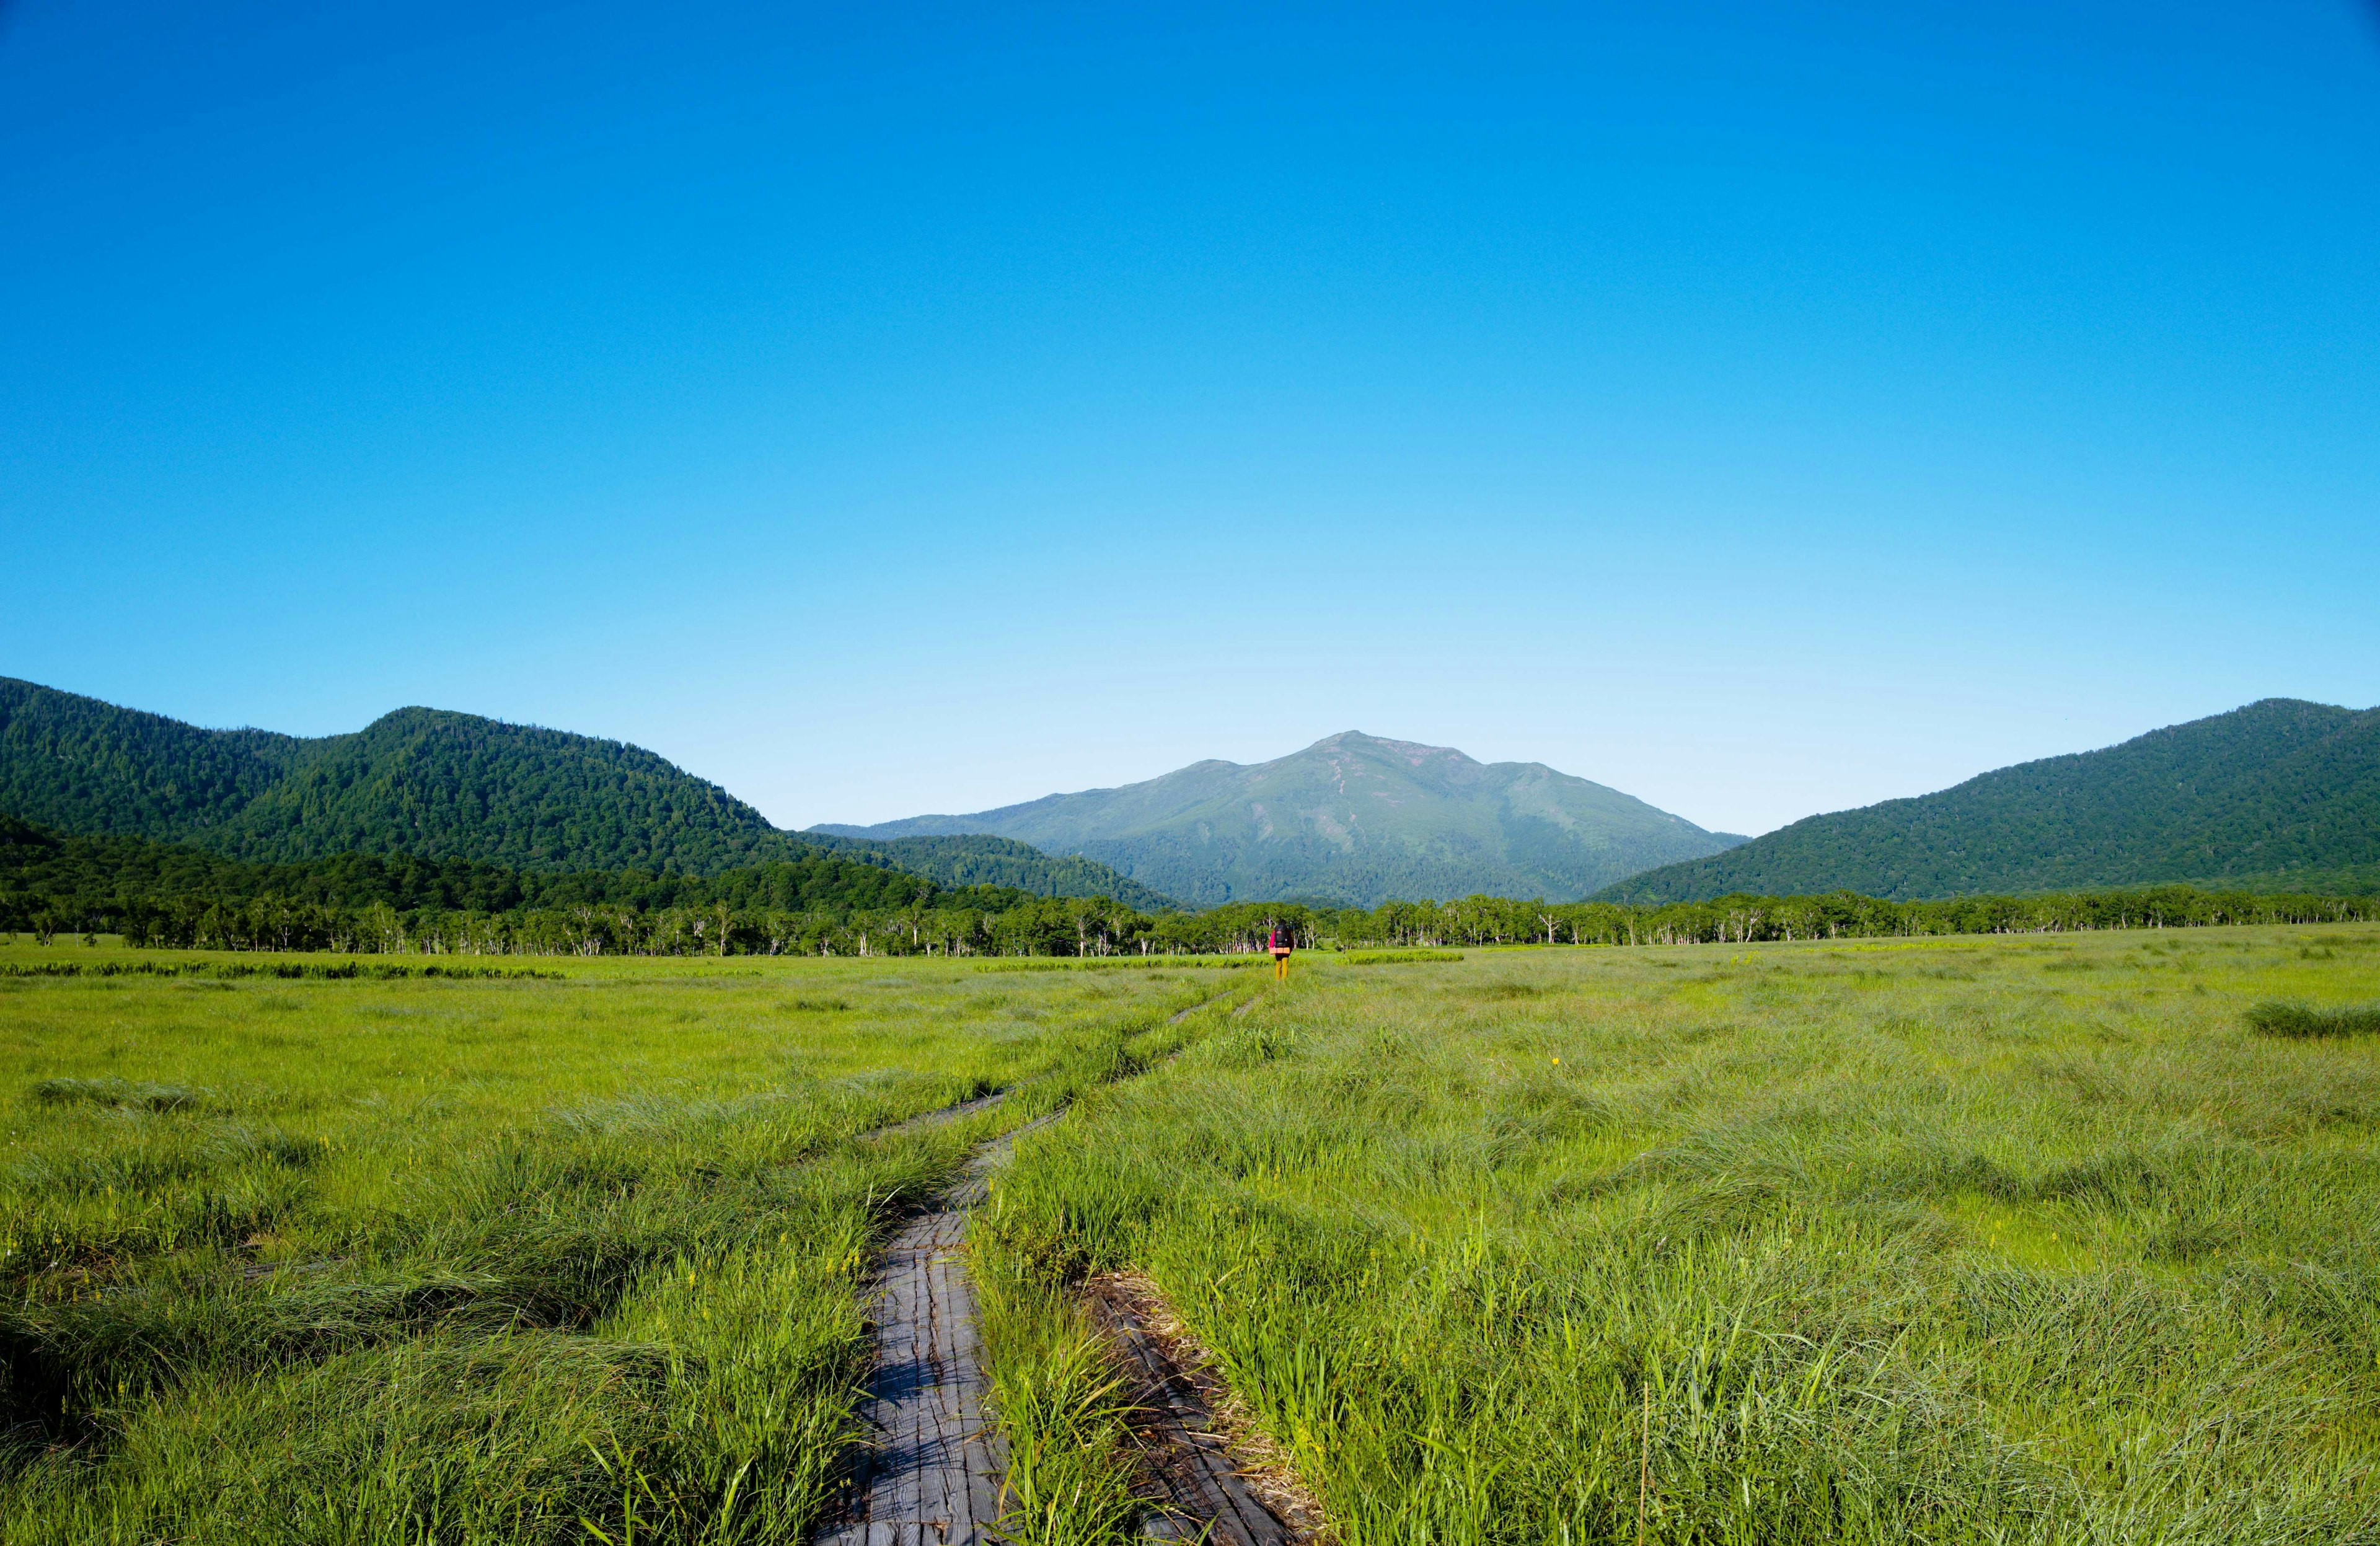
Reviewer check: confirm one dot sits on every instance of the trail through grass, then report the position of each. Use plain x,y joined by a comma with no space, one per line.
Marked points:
2001,1239
481,1259
2010,1239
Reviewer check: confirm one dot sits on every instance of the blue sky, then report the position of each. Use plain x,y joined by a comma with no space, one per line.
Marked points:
1761,409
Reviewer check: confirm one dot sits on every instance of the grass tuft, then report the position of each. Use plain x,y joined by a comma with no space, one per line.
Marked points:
1062,1407
2277,1017
120,1093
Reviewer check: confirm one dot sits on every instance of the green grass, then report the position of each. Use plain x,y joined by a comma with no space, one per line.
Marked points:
428,1259
1962,1240
2286,1018
286,969
1061,1405
2038,1239
1125,963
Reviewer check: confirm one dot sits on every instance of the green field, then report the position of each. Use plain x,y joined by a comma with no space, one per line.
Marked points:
1961,1240
1967,1240
466,1261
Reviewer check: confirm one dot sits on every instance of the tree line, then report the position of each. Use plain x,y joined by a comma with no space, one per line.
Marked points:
953,924
1743,918
158,895
817,902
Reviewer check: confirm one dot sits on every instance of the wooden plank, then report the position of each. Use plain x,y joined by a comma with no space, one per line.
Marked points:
931,1473
1191,1478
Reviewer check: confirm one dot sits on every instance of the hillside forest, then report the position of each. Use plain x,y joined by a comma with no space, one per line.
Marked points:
2280,795
444,787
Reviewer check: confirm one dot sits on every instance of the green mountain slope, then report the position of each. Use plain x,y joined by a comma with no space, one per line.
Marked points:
96,873
976,858
83,766
1351,819
436,785
2279,795
420,781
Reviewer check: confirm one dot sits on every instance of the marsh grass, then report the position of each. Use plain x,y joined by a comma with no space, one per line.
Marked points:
120,1093
1905,1241
2284,1017
1061,1405
191,963
313,1259
1126,963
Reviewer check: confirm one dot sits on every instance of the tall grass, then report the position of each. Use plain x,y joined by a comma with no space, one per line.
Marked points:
2286,1018
1062,1407
1978,1241
1059,1398
480,1260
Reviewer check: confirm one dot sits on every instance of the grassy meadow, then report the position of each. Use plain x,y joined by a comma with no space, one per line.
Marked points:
475,1260
2032,1239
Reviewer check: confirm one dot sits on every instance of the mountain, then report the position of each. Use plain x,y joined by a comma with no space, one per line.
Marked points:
100,875
1351,819
960,860
2279,795
436,785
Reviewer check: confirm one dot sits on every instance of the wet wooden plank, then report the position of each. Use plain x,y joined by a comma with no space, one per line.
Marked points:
930,1471
1191,1478
939,1116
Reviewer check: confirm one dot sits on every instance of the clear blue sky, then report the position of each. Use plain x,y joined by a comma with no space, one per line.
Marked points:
1761,409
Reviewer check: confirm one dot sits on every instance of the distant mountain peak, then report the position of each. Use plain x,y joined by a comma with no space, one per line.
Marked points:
1377,749
1356,816
1413,751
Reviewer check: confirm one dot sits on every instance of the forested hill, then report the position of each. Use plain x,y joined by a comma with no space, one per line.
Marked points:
420,781
958,861
1351,819
78,875
2279,795
433,784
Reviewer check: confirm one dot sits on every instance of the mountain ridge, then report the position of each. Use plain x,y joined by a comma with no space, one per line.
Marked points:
2279,790
435,784
1354,817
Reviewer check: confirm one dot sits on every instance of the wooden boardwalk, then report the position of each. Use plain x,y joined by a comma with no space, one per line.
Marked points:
1190,1478
931,1473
